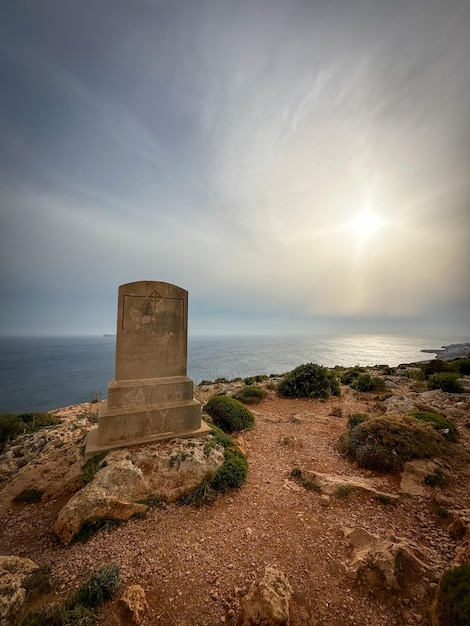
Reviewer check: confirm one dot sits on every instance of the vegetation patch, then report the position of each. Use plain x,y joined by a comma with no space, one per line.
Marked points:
452,606
309,381
14,424
444,426
447,381
92,466
385,443
251,394
229,414
462,366
436,479
366,382
343,492
29,495
352,374
89,529
307,483
231,474
356,418
80,608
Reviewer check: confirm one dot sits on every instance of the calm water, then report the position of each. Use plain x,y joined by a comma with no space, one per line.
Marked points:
42,373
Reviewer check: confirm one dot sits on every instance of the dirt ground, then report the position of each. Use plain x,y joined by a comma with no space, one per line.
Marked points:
195,563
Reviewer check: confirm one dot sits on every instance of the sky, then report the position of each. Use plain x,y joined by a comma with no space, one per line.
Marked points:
296,165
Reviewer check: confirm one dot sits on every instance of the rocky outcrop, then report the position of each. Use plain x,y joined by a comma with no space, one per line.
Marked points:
331,483
132,605
267,601
412,480
13,573
129,477
391,560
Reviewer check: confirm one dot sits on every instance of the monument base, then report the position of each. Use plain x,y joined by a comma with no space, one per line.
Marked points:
93,445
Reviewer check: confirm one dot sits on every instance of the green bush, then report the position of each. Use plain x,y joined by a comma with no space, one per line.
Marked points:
79,609
386,443
356,418
230,475
233,472
444,426
447,381
452,605
309,381
462,366
351,374
366,382
229,414
436,366
101,586
251,394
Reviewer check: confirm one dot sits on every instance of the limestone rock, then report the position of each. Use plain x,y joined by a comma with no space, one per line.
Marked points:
386,557
166,471
330,483
13,572
89,504
399,405
267,601
413,475
132,605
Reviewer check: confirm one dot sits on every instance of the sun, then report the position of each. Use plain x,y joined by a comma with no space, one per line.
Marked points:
366,223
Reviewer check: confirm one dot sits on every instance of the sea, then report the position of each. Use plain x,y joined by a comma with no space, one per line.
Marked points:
44,373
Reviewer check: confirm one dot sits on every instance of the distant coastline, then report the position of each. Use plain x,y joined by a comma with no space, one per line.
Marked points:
452,351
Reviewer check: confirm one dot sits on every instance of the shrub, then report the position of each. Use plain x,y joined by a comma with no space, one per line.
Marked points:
101,586
233,472
462,366
14,424
351,374
230,475
452,605
366,382
447,381
356,418
251,394
57,615
229,414
436,366
309,381
386,443
444,426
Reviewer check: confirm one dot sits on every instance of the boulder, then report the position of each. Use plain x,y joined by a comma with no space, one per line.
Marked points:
132,605
129,477
267,601
387,558
13,573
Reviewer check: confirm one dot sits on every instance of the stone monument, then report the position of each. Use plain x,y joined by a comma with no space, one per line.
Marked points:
151,397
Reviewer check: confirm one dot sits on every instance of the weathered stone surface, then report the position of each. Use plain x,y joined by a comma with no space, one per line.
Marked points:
399,405
413,475
92,503
383,556
151,397
330,483
267,601
13,572
132,605
166,471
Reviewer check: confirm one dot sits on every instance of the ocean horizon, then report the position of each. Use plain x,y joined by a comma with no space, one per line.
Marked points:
43,373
